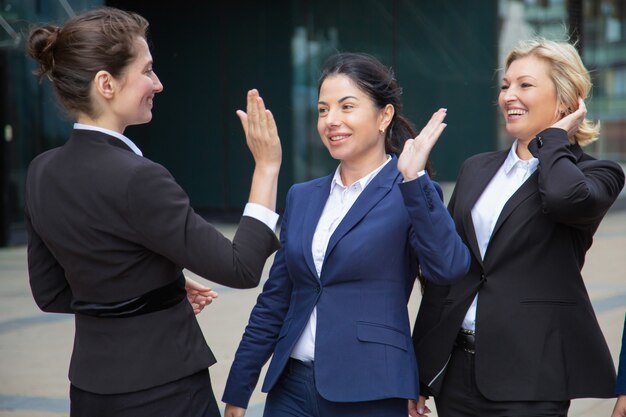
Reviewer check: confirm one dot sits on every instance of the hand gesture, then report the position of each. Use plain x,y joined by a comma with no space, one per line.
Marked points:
416,151
418,408
261,132
234,411
198,295
572,121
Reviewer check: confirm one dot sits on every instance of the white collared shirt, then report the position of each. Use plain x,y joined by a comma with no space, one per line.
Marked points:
340,200
257,211
485,213
113,133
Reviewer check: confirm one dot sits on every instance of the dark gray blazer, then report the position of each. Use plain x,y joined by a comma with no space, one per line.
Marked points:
537,335
106,225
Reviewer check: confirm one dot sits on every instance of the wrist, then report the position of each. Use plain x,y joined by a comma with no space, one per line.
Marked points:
408,178
267,170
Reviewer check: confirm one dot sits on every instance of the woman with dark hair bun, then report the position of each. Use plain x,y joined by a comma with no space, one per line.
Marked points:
110,231
333,312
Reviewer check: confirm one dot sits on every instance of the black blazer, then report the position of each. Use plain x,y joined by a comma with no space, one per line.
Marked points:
106,225
537,335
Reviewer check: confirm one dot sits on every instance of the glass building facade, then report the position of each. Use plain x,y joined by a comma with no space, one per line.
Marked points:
444,54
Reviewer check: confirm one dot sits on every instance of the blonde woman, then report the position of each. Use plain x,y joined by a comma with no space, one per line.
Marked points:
518,335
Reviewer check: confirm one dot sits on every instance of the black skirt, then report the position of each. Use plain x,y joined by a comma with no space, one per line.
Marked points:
191,396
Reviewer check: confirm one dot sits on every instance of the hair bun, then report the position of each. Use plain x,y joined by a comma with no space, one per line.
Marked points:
41,42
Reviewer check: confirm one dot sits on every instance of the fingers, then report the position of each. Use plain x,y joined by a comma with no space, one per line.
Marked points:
271,124
409,146
257,117
421,407
571,122
199,300
435,125
243,117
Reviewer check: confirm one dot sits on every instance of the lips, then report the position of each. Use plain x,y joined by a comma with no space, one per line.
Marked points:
516,112
338,137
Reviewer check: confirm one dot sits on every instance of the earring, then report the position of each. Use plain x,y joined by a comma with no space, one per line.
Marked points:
382,131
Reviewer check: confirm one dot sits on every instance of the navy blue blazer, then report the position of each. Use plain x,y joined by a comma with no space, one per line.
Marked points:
620,388
363,348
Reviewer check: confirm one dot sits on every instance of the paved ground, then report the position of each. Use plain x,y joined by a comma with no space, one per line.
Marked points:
35,347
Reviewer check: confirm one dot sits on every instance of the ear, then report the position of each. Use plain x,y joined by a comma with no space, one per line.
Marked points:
104,84
385,117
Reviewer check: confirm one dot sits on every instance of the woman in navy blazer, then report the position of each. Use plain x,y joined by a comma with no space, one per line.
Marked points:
334,310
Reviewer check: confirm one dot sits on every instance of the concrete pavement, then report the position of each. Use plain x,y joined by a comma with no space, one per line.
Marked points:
35,347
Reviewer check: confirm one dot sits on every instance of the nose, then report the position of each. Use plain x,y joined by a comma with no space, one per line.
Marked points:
332,118
509,95
158,87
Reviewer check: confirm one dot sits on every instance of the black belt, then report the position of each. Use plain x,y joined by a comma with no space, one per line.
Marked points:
155,300
466,340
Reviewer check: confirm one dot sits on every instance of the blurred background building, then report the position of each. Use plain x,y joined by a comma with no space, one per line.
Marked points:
445,53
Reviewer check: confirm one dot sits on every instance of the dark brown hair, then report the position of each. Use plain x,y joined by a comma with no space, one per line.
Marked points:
71,55
380,84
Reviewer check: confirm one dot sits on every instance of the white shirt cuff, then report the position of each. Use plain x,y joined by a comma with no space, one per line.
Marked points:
419,174
262,214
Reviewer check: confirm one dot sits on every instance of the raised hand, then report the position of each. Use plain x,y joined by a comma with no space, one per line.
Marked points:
572,121
264,143
261,132
416,151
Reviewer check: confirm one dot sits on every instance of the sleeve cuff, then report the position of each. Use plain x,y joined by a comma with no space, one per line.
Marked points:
262,214
419,174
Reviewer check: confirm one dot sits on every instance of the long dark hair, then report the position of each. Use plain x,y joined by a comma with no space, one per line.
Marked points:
380,84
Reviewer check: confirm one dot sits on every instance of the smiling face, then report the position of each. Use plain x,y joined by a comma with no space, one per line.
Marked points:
349,124
133,101
528,98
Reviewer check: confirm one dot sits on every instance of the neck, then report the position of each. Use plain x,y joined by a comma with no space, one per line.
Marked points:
522,149
351,172
99,122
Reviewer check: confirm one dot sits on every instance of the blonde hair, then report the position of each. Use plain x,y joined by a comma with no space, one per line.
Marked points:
569,75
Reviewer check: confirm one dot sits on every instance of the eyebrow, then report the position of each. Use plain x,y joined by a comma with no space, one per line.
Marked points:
341,100
520,77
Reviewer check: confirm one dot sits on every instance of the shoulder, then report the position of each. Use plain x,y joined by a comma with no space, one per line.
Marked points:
39,165
478,161
480,158
307,186
44,157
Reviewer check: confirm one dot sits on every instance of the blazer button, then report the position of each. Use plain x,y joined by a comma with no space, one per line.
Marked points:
318,289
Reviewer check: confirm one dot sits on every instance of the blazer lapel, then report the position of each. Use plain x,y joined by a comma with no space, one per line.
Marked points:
528,188
316,202
380,185
481,179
